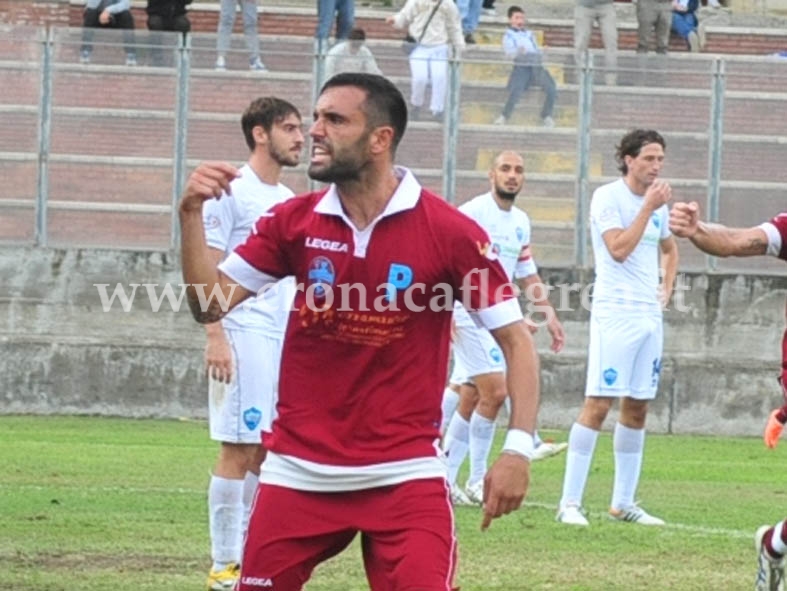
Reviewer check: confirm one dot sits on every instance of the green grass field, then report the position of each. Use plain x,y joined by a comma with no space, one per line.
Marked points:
95,504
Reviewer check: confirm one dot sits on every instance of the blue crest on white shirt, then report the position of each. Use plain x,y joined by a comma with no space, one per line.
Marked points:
656,220
610,375
496,355
251,418
520,233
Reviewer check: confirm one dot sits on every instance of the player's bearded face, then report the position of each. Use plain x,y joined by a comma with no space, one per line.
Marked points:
508,182
286,142
339,163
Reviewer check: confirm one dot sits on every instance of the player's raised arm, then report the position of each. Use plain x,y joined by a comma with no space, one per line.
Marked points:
716,239
210,293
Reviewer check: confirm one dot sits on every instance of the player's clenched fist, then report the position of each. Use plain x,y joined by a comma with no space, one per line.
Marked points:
210,180
684,219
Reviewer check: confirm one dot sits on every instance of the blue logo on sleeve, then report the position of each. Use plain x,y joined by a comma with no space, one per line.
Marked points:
252,417
610,375
399,277
496,355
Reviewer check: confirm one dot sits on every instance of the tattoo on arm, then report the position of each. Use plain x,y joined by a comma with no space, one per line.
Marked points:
756,245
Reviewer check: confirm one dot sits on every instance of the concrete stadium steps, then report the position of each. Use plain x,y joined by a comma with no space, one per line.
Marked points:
491,72
19,129
527,113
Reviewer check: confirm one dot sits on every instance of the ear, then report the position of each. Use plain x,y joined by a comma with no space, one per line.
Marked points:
491,175
260,135
381,139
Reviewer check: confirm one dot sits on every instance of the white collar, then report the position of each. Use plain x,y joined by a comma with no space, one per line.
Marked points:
405,197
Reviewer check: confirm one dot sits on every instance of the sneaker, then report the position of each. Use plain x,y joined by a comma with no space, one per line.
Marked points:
131,59
475,491
469,39
84,57
221,64
224,580
635,514
257,65
770,572
459,498
547,450
501,120
490,12
548,121
572,515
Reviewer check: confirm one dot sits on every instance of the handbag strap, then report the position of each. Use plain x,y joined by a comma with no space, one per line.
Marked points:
429,20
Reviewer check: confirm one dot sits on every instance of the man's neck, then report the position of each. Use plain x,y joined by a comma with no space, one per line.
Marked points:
504,204
365,199
266,168
634,186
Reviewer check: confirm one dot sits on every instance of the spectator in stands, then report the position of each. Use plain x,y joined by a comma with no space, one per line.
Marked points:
521,45
586,13
686,25
470,11
343,10
168,15
226,20
108,14
434,24
650,14
351,55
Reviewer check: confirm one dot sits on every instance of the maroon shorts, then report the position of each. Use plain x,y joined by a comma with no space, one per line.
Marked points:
407,536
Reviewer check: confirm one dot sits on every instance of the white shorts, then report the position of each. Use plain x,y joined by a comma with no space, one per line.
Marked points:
624,356
458,374
238,411
477,352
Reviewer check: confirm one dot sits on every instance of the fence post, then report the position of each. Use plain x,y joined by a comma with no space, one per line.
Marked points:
318,78
582,197
44,138
451,126
715,142
179,163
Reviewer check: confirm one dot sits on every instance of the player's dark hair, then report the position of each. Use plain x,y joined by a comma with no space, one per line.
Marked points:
632,143
384,104
265,112
357,35
512,10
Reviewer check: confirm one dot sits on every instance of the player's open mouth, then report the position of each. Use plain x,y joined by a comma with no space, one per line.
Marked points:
319,153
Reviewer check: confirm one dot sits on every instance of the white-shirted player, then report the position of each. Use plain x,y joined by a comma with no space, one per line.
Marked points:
243,351
472,427
632,247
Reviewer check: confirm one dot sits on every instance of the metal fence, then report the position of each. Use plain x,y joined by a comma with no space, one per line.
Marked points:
95,154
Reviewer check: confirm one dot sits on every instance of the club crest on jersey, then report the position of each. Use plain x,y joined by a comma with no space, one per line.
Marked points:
520,233
610,375
495,354
488,250
251,418
321,274
212,222
656,219
323,244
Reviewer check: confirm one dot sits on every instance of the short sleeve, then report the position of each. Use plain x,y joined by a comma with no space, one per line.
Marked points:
480,282
664,214
604,212
262,258
218,220
776,230
525,263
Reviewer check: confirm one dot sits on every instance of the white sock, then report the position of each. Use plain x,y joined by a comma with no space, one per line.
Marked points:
225,515
457,437
450,402
482,433
581,445
628,445
249,490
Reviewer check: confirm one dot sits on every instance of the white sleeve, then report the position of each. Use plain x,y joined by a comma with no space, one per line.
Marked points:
502,314
604,212
664,214
525,263
218,220
774,239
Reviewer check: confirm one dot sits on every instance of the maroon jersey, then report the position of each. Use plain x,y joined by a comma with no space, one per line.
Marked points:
362,377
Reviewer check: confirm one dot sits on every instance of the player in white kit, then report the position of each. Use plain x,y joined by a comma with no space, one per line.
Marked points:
243,351
632,246
471,429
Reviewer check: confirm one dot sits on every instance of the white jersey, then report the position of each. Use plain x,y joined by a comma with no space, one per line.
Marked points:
509,235
632,284
228,222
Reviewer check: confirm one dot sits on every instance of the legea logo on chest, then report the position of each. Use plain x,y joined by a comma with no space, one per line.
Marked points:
329,245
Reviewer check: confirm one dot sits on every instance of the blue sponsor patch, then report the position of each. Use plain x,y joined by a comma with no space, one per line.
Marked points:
610,375
252,417
496,355
322,275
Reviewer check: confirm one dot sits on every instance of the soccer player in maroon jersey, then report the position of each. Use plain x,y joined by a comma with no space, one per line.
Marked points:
768,238
379,261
